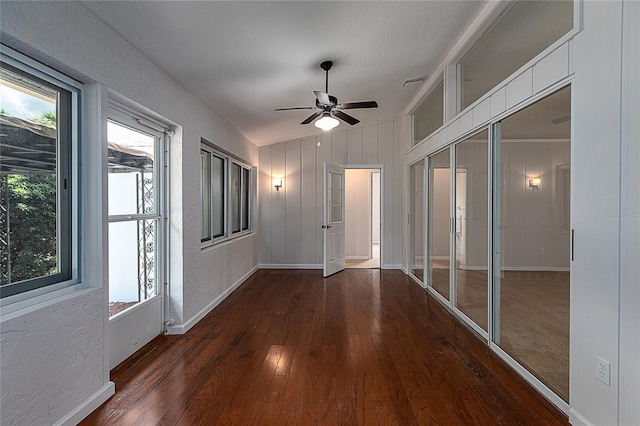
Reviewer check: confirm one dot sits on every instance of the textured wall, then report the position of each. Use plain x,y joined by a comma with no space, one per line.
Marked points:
72,40
48,30
51,359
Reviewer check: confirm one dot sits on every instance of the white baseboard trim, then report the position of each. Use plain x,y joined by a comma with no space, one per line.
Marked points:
391,266
577,419
404,269
474,268
357,257
184,327
88,406
536,268
290,266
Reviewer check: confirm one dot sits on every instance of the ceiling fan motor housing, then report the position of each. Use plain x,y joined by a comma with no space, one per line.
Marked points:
334,102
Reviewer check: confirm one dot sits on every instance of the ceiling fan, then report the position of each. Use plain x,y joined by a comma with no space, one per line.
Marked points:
327,106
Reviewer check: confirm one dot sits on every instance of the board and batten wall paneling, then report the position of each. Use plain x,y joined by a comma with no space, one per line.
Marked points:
290,221
370,144
339,148
278,204
398,193
354,146
308,211
264,204
292,205
386,156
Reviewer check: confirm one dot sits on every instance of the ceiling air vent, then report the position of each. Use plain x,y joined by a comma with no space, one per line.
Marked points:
413,80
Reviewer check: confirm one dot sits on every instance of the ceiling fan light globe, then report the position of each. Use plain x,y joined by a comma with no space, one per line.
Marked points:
326,122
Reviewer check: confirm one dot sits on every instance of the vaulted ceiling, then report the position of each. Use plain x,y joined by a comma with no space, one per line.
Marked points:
245,59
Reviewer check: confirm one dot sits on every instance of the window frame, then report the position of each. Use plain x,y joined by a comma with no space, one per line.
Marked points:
438,85
123,117
225,165
243,168
453,87
229,161
68,146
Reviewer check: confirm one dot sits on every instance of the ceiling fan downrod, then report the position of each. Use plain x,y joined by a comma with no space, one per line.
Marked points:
326,66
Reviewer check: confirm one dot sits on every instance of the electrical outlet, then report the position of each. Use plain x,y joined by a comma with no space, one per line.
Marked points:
604,371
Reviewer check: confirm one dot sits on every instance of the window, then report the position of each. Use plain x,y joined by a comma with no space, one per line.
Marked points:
240,187
429,116
38,223
520,33
213,193
226,194
136,180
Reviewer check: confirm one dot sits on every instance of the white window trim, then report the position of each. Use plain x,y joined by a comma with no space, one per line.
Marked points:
229,160
124,117
29,299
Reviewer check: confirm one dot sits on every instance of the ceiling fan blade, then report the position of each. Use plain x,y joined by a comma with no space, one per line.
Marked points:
322,97
353,105
345,117
312,117
288,109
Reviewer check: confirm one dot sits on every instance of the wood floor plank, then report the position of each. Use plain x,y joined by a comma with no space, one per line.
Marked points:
293,348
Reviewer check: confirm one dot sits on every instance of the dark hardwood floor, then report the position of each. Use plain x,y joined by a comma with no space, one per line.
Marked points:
362,347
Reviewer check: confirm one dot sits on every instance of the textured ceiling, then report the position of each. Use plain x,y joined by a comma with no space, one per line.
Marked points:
244,59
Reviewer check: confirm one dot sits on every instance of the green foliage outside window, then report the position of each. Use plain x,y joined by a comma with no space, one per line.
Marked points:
29,222
31,200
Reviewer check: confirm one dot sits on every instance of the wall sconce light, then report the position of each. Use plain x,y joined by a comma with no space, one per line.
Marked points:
534,183
277,182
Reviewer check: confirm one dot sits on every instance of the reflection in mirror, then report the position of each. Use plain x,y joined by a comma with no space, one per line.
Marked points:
439,222
531,239
471,227
417,219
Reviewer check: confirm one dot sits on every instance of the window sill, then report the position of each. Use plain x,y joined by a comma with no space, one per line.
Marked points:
29,303
211,245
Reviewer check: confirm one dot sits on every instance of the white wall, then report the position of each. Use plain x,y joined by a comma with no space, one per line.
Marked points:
68,37
290,220
630,221
358,213
376,205
605,301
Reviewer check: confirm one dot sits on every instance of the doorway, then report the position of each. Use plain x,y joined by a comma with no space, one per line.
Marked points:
363,237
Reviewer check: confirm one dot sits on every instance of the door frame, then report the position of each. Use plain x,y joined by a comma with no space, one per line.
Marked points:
382,203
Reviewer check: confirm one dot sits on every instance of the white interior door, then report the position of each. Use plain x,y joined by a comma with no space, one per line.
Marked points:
333,224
